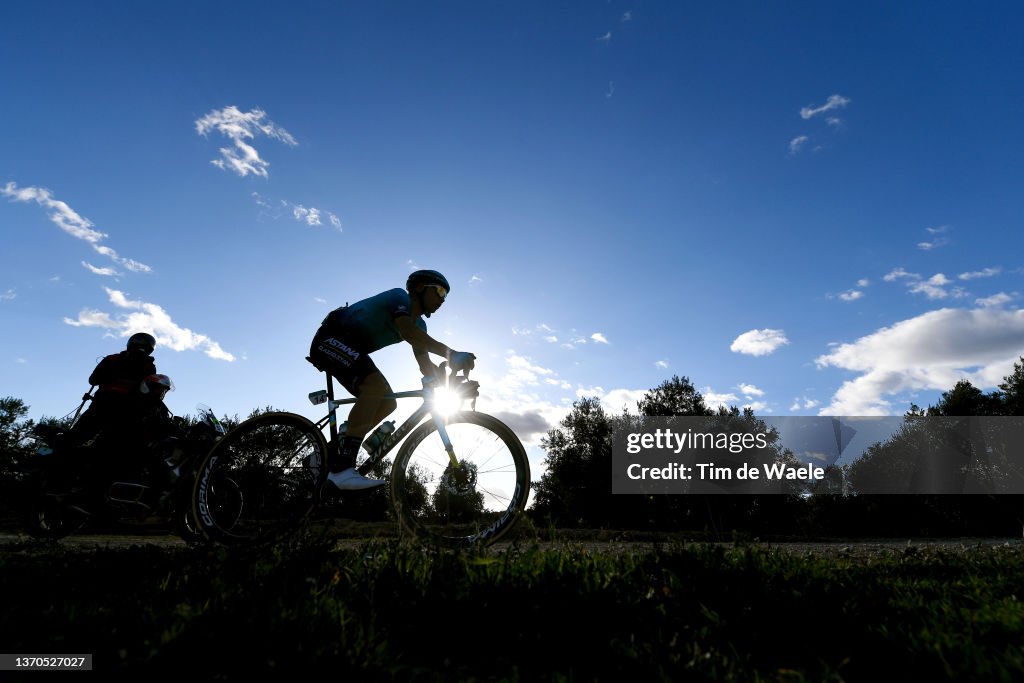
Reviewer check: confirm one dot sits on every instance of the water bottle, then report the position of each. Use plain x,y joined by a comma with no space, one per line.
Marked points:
378,436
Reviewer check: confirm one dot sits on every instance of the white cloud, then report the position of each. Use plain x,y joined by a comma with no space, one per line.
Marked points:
63,215
519,397
307,216
148,318
9,295
984,272
994,300
930,352
759,342
521,371
750,390
899,274
803,404
715,400
618,400
833,102
854,294
934,244
128,263
68,220
311,216
798,143
574,342
606,38
938,241
662,364
100,271
627,16
599,338
934,287
240,127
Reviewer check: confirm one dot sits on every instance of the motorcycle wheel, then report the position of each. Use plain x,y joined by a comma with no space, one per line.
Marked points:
185,525
47,519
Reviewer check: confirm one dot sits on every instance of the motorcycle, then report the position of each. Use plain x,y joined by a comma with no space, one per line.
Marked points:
63,496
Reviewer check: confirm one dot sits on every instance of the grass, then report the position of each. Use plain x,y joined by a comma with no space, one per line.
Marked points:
388,611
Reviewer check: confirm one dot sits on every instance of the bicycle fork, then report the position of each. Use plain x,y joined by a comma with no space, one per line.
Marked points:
443,433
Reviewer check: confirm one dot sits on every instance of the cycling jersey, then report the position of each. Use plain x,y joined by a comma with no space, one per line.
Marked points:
348,335
369,325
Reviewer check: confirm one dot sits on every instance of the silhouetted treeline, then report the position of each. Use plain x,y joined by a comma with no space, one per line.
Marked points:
576,490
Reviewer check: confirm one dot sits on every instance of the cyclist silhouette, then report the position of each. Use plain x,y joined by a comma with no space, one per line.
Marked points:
342,346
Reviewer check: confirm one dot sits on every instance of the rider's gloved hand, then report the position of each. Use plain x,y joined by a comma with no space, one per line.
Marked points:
461,360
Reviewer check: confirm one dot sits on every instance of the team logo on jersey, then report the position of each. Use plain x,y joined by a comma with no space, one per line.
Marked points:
343,347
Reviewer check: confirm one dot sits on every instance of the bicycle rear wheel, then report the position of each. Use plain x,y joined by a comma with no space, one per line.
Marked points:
475,504
260,480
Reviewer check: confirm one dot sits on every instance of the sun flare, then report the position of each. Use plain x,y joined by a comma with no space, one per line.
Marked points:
446,401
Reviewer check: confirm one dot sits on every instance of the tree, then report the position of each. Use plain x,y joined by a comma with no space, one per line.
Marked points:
15,445
456,498
966,400
576,488
14,435
938,450
1012,390
673,397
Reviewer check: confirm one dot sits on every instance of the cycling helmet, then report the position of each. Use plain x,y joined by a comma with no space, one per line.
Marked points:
427,277
140,341
156,386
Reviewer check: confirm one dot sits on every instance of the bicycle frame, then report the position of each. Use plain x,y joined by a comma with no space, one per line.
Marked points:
393,439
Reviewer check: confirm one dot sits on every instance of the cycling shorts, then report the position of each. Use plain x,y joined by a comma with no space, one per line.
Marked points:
348,365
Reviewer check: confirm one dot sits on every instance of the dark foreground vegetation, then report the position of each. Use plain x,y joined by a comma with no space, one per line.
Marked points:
385,611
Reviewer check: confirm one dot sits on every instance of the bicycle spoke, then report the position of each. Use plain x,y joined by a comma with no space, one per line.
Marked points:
475,502
261,479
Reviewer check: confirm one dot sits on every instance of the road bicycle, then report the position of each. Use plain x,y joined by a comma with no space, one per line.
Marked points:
461,478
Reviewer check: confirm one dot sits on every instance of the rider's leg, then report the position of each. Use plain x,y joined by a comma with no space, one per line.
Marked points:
370,408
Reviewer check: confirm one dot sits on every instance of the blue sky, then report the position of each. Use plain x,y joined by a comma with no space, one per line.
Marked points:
809,208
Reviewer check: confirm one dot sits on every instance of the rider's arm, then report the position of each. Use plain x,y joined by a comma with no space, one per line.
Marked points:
104,372
421,342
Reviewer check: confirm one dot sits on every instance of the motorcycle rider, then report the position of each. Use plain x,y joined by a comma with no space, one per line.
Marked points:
342,346
119,377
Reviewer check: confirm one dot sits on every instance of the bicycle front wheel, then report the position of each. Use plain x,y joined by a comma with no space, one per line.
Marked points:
475,503
260,480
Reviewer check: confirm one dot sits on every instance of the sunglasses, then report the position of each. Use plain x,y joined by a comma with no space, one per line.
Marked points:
441,291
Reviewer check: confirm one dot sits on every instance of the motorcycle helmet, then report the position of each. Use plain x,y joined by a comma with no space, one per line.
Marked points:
141,341
156,386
